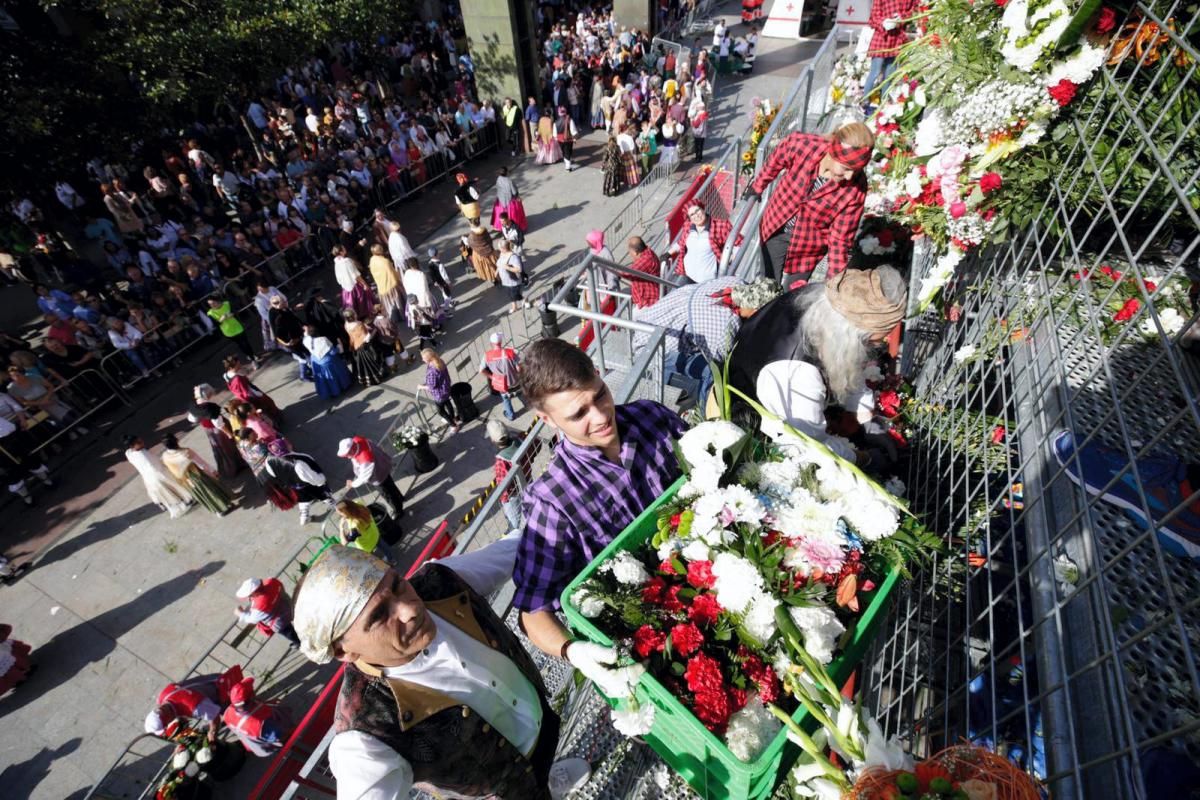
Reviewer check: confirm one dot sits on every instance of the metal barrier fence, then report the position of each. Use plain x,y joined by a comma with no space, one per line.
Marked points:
1062,628
145,761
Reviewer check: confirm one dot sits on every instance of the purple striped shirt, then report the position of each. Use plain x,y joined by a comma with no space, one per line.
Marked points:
584,500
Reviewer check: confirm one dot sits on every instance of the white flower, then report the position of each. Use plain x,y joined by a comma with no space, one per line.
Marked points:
696,550
759,619
821,629
778,478
626,569
204,755
668,548
895,486
703,447
929,137
884,752
1077,69
1017,21
751,729
872,518
1172,323
869,245
588,603
636,721
808,519
738,582
181,759
964,353
660,776
743,505
912,183
781,663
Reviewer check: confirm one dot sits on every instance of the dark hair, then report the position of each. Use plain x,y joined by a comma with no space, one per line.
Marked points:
170,442
128,440
553,365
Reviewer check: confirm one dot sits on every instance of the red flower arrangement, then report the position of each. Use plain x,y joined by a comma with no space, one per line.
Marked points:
990,182
1063,92
1127,310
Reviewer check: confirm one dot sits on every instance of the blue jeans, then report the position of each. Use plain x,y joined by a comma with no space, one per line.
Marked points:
135,357
506,399
512,510
881,68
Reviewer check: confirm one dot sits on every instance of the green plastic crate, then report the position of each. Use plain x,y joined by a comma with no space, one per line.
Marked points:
678,737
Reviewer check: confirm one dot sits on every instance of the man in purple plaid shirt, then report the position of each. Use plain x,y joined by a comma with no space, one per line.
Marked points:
610,464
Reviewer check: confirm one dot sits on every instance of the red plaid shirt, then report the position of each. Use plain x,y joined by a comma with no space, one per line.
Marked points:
645,293
718,232
826,220
885,43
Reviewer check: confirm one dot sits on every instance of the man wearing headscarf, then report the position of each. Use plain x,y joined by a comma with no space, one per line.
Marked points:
808,349
436,689
815,208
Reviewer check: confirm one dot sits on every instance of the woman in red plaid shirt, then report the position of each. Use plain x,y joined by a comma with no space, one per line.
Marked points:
887,23
817,204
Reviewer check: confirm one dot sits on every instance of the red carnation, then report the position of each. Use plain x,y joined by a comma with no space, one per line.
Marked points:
703,674
1002,3
889,402
885,237
738,698
667,568
990,182
1107,20
988,215
762,675
712,708
670,600
700,574
704,610
998,434
1151,286
676,519
652,592
686,638
1063,92
647,640
1128,310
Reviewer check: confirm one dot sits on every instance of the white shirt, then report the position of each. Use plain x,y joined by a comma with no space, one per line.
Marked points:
415,283
399,249
699,260
718,33
126,339
367,769
313,123
796,392
346,272
262,302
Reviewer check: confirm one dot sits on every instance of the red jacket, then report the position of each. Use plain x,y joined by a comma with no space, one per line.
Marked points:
645,293
885,43
826,220
272,601
718,233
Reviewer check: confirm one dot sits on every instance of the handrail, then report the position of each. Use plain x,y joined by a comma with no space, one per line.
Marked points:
735,232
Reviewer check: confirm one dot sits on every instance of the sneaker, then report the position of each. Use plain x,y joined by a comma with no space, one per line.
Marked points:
568,775
1164,479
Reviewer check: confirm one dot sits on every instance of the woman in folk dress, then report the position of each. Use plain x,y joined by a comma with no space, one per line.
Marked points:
165,492
191,471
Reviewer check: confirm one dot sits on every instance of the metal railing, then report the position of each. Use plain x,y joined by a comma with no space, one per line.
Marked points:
1061,628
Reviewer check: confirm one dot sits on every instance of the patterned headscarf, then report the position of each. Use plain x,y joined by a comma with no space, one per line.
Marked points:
333,594
853,157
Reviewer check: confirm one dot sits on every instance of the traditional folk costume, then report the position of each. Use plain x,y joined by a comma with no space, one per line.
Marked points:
188,468
466,197
808,217
244,390
262,304
612,168
355,292
467,716
256,455
508,201
165,492
304,477
329,372
629,159
483,255
387,284
548,151
369,357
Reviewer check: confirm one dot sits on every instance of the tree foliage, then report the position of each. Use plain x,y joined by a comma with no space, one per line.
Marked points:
128,68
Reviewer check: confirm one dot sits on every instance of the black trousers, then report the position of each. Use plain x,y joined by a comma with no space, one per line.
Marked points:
16,461
392,497
242,340
774,253
446,410
568,150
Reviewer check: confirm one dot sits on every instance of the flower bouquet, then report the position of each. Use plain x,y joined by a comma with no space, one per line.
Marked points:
765,542
849,76
407,437
1116,295
763,115
187,772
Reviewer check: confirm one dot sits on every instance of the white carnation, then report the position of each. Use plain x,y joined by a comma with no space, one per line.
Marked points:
696,550
751,729
808,518
743,505
759,620
820,628
1017,21
929,137
965,353
703,447
204,755
588,603
1172,323
872,518
869,245
738,582
626,569
1077,69
634,721
181,759
912,183
668,548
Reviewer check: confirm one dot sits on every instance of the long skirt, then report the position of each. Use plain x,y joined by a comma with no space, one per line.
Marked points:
361,299
516,212
470,211
207,491
370,365
167,494
548,152
225,453
485,267
393,306
268,336
629,161
280,496
330,375
612,178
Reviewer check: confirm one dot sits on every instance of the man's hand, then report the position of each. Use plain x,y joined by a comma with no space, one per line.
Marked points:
350,483
596,663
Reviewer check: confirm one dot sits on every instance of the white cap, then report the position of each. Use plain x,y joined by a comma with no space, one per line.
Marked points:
154,723
248,587
497,338
344,447
348,226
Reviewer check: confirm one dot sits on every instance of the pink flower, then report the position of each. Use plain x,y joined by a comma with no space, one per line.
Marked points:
958,209
700,575
1106,21
823,554
998,434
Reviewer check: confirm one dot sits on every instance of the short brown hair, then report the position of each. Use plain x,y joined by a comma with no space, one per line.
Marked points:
553,365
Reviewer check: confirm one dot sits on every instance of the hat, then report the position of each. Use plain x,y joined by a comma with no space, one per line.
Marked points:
154,722
345,447
857,294
242,691
335,591
496,338
497,433
248,587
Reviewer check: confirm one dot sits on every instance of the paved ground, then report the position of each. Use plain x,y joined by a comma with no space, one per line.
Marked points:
122,599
